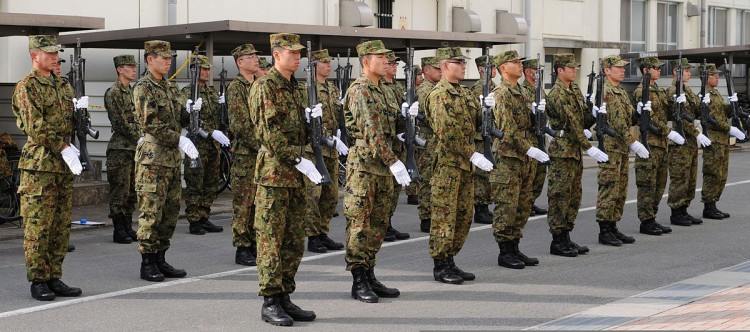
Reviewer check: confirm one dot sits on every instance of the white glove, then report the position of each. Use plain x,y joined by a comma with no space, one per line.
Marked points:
412,110
398,169
540,107
401,137
732,98
341,147
537,154
703,141
489,100
675,137
78,152
315,112
307,168
419,140
83,102
196,106
597,154
70,158
218,136
587,133
480,161
596,110
590,98
736,132
680,99
222,99
641,107
140,139
187,146
639,149
707,99
338,133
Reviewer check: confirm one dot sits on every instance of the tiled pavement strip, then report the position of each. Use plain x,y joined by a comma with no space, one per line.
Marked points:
718,300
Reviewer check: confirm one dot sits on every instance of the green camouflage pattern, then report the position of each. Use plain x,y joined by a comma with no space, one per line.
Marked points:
391,57
612,61
660,109
202,60
159,47
328,96
683,159
719,110
447,53
710,67
124,59
244,49
321,200
371,47
481,62
564,192
288,41
395,95
650,61
243,199
158,189
241,126
430,61
118,100
482,190
530,63
121,178
512,111
716,156
565,59
619,113
46,43
263,63
454,120
506,56
321,56
691,108
425,154
651,181
685,63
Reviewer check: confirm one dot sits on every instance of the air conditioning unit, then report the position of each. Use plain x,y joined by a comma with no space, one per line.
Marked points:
465,20
510,24
355,14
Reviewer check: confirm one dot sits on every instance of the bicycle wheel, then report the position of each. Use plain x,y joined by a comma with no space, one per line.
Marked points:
10,200
342,172
225,165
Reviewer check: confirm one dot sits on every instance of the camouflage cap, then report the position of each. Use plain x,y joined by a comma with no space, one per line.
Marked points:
46,43
612,61
482,61
321,56
263,63
447,53
685,63
430,61
244,49
506,56
391,57
124,59
203,61
565,59
160,47
371,47
418,69
650,61
530,63
710,67
288,41
60,61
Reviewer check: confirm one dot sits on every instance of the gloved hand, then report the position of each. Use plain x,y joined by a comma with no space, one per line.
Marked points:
675,137
340,146
540,107
537,154
401,137
587,133
732,98
307,168
83,102
196,106
419,140
222,99
597,154
597,110
489,101
412,110
78,152
590,98
706,99
70,158
218,136
642,107
680,99
703,141
398,169
639,150
338,133
315,112
187,146
736,132
480,161
140,139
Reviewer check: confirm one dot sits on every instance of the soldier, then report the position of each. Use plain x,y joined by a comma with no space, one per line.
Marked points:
322,200
397,92
118,100
482,190
529,84
157,160
613,176
277,109
263,67
431,70
371,120
651,172
716,157
568,116
201,184
58,71
418,79
412,191
453,116
512,179
683,159
245,146
42,106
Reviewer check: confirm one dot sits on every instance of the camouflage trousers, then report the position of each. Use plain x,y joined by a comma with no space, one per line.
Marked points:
482,190
715,170
424,163
158,189
539,176
279,218
412,189
564,193
651,180
394,197
322,200
613,187
243,199
366,207
683,174
201,184
46,203
452,209
512,181
122,199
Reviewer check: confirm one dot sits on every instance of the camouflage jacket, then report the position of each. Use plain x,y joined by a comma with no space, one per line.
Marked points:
209,114
512,109
691,108
371,120
241,127
476,91
396,93
720,111
530,93
620,116
567,113
279,108
328,95
118,100
422,92
158,108
454,118
659,110
44,112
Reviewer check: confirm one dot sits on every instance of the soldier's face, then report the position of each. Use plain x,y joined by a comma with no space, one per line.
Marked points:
205,74
615,74
58,68
160,64
418,80
261,72
655,73
392,69
45,61
323,68
686,74
568,74
377,64
432,73
248,62
713,80
129,71
453,70
514,69
287,60
529,73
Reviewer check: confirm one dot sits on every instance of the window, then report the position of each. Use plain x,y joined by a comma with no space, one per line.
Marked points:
717,26
743,27
633,25
666,28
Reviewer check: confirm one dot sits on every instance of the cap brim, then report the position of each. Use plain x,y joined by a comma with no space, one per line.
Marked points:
51,49
295,47
573,64
621,63
166,54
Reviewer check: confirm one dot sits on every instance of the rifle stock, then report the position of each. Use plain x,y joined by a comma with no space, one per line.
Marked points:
317,139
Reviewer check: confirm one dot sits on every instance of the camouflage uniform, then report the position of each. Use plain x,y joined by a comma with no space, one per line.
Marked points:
425,154
277,109
482,190
716,156
541,169
245,146
397,94
43,109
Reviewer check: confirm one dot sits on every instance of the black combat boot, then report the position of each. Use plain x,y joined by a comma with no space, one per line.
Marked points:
196,228
726,215
127,221
664,229
580,249
482,214
71,248
61,289
315,245
693,220
329,243
412,200
711,212
378,287
443,273
468,276
619,235
209,227
561,248
41,292
537,211
395,233
678,218
424,225
244,256
273,313
528,261
507,257
149,270
361,287
650,227
294,311
168,270
606,237
119,235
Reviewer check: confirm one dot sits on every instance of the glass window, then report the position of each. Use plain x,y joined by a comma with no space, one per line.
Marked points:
746,28
633,29
717,26
666,17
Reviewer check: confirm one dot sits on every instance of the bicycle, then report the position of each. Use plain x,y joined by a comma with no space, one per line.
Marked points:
225,167
10,200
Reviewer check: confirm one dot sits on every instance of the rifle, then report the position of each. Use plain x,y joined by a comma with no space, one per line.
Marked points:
488,119
737,112
679,109
343,75
645,126
411,130
589,87
540,118
194,129
223,111
602,123
316,133
706,117
76,76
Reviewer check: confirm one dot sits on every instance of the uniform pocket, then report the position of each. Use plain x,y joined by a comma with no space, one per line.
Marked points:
356,184
30,184
146,180
608,173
